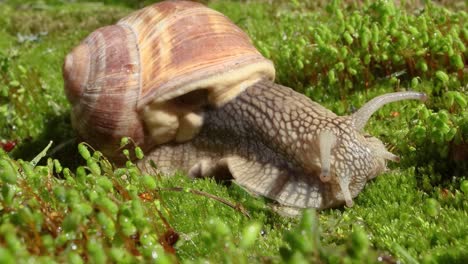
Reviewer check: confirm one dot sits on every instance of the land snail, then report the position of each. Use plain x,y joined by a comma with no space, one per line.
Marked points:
188,86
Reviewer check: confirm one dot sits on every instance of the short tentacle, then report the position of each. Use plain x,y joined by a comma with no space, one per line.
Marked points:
344,185
361,117
388,155
326,142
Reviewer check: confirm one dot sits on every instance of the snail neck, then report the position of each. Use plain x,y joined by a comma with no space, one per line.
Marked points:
276,116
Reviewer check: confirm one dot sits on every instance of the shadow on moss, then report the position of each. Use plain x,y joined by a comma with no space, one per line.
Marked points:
58,130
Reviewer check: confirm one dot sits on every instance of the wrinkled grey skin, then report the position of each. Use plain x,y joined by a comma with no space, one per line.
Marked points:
268,140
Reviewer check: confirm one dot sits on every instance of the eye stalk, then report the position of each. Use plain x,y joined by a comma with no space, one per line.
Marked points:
360,118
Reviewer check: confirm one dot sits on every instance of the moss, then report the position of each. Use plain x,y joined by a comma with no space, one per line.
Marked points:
339,53
396,213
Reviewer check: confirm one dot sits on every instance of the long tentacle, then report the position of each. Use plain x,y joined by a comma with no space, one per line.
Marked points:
361,117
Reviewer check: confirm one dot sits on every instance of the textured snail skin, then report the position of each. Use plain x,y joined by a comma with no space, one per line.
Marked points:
268,140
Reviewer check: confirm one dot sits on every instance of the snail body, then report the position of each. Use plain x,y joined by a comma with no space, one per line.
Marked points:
189,87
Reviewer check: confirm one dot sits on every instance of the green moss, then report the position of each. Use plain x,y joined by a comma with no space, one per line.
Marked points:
339,53
395,213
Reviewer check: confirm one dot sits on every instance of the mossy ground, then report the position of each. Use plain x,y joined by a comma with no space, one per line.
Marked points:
339,53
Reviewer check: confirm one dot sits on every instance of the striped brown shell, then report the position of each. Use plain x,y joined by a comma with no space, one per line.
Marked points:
152,56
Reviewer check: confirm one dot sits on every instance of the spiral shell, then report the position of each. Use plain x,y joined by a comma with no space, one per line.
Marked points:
122,80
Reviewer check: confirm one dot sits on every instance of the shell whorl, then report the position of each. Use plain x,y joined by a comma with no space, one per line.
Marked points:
78,63
102,82
188,47
154,55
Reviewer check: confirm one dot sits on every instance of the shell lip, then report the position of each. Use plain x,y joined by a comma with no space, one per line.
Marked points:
199,79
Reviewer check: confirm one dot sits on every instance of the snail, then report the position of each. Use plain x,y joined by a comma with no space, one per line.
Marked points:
188,86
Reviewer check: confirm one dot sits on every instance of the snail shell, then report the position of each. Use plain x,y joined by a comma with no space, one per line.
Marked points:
128,79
